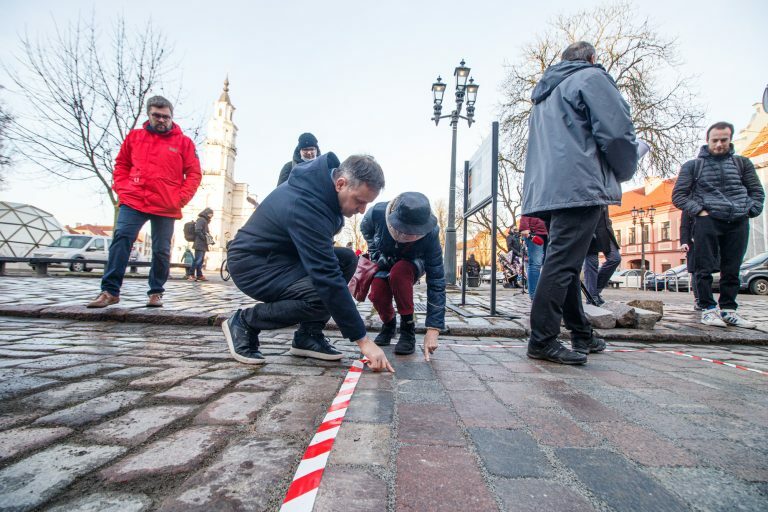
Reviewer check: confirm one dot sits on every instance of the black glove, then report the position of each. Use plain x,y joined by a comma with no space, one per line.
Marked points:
385,262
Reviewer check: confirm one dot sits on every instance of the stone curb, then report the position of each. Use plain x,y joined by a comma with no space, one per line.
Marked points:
170,317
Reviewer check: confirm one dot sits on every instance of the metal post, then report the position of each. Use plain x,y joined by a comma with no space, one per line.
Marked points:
642,254
449,258
494,187
464,251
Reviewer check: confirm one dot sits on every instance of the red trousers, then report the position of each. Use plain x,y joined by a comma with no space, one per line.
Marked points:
399,286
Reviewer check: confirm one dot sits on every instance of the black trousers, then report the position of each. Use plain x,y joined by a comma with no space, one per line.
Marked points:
729,239
558,293
299,303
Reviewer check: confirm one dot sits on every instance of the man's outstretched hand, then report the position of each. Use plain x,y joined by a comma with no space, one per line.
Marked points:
377,361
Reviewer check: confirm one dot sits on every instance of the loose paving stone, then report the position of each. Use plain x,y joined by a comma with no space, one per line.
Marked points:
92,410
137,425
19,440
362,444
421,480
428,424
80,371
249,475
616,482
167,377
194,390
420,391
107,502
312,389
18,385
644,446
33,481
69,393
299,418
521,395
482,410
415,370
536,495
234,408
180,452
510,453
371,406
350,489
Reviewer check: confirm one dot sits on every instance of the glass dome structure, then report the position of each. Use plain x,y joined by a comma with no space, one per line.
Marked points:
24,227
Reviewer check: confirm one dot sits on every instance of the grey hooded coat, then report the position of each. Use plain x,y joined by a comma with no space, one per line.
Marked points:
581,142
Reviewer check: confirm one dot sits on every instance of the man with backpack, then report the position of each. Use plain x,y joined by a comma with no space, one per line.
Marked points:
722,192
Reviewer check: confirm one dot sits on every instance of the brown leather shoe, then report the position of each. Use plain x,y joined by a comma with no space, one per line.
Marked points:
155,300
103,300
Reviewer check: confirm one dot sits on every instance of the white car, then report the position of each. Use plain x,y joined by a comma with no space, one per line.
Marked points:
80,247
627,278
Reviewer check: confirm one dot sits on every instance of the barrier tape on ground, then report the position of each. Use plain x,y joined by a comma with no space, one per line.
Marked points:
624,350
301,494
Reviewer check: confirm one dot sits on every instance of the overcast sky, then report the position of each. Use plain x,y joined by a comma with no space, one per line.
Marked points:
358,75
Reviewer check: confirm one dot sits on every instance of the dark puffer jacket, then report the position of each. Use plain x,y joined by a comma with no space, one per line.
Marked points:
288,167
425,253
201,230
721,190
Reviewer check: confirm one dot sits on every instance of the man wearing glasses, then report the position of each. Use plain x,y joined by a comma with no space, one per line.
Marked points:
156,173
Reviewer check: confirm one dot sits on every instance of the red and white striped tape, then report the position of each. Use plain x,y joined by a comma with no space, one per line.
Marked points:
301,494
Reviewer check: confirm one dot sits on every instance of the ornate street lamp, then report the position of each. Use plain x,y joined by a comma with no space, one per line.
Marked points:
641,215
463,91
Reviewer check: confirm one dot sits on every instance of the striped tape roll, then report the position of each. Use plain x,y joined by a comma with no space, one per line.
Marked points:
302,492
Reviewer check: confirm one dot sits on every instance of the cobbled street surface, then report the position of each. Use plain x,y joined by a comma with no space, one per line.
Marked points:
111,416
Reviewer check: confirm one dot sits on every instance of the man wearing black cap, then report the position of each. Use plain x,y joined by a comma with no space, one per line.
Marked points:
404,240
306,151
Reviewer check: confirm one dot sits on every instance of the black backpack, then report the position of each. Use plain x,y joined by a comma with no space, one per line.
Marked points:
189,231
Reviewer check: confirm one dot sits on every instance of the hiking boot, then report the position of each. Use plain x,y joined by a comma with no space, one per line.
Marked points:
588,346
556,353
406,343
731,317
242,341
155,300
712,317
387,331
313,343
103,300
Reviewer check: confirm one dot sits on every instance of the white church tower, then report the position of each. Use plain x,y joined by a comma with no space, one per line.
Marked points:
229,200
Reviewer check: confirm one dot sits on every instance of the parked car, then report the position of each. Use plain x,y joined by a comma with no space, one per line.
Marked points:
754,274
627,278
80,247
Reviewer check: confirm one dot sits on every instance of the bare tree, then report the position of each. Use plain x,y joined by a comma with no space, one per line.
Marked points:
81,96
664,112
5,159
353,234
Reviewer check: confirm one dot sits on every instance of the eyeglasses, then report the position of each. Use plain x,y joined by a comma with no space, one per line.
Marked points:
164,117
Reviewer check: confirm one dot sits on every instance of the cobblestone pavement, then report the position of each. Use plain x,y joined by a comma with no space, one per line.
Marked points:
113,416
208,303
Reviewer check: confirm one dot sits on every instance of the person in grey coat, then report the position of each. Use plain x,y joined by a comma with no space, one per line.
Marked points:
202,240
581,146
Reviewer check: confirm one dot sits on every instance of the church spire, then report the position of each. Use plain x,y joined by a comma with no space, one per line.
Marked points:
225,93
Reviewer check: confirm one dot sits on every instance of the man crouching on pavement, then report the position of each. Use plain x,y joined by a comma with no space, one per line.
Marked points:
284,256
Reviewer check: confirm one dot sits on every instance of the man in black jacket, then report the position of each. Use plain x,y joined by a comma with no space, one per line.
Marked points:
285,258
722,191
306,151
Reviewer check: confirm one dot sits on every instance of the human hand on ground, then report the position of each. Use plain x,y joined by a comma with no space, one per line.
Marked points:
430,343
376,359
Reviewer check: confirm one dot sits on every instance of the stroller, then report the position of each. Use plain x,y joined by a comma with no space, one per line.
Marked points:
512,267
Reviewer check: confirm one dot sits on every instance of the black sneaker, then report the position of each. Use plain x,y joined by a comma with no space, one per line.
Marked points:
387,331
406,343
556,353
599,300
588,346
243,342
313,343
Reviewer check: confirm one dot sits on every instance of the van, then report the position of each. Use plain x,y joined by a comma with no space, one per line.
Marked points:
80,247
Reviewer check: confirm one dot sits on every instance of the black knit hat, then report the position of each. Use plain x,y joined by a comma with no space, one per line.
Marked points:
411,214
307,140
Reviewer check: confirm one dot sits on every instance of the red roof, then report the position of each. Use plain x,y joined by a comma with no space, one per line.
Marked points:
636,198
758,146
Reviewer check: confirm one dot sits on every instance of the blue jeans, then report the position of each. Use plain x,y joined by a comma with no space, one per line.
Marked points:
596,280
129,223
197,268
535,261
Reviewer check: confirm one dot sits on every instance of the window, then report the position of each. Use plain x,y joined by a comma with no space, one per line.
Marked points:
98,244
617,234
632,236
665,230
646,228
665,266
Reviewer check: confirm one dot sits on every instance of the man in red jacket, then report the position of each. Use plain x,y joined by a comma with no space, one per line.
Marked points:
156,173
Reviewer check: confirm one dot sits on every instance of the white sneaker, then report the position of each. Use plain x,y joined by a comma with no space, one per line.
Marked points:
731,317
712,317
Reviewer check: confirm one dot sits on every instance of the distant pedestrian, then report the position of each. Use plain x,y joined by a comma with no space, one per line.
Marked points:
156,173
189,260
306,150
534,231
203,239
722,192
581,146
404,240
687,245
603,241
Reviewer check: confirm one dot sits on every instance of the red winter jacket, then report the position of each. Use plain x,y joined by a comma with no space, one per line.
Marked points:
157,173
533,224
